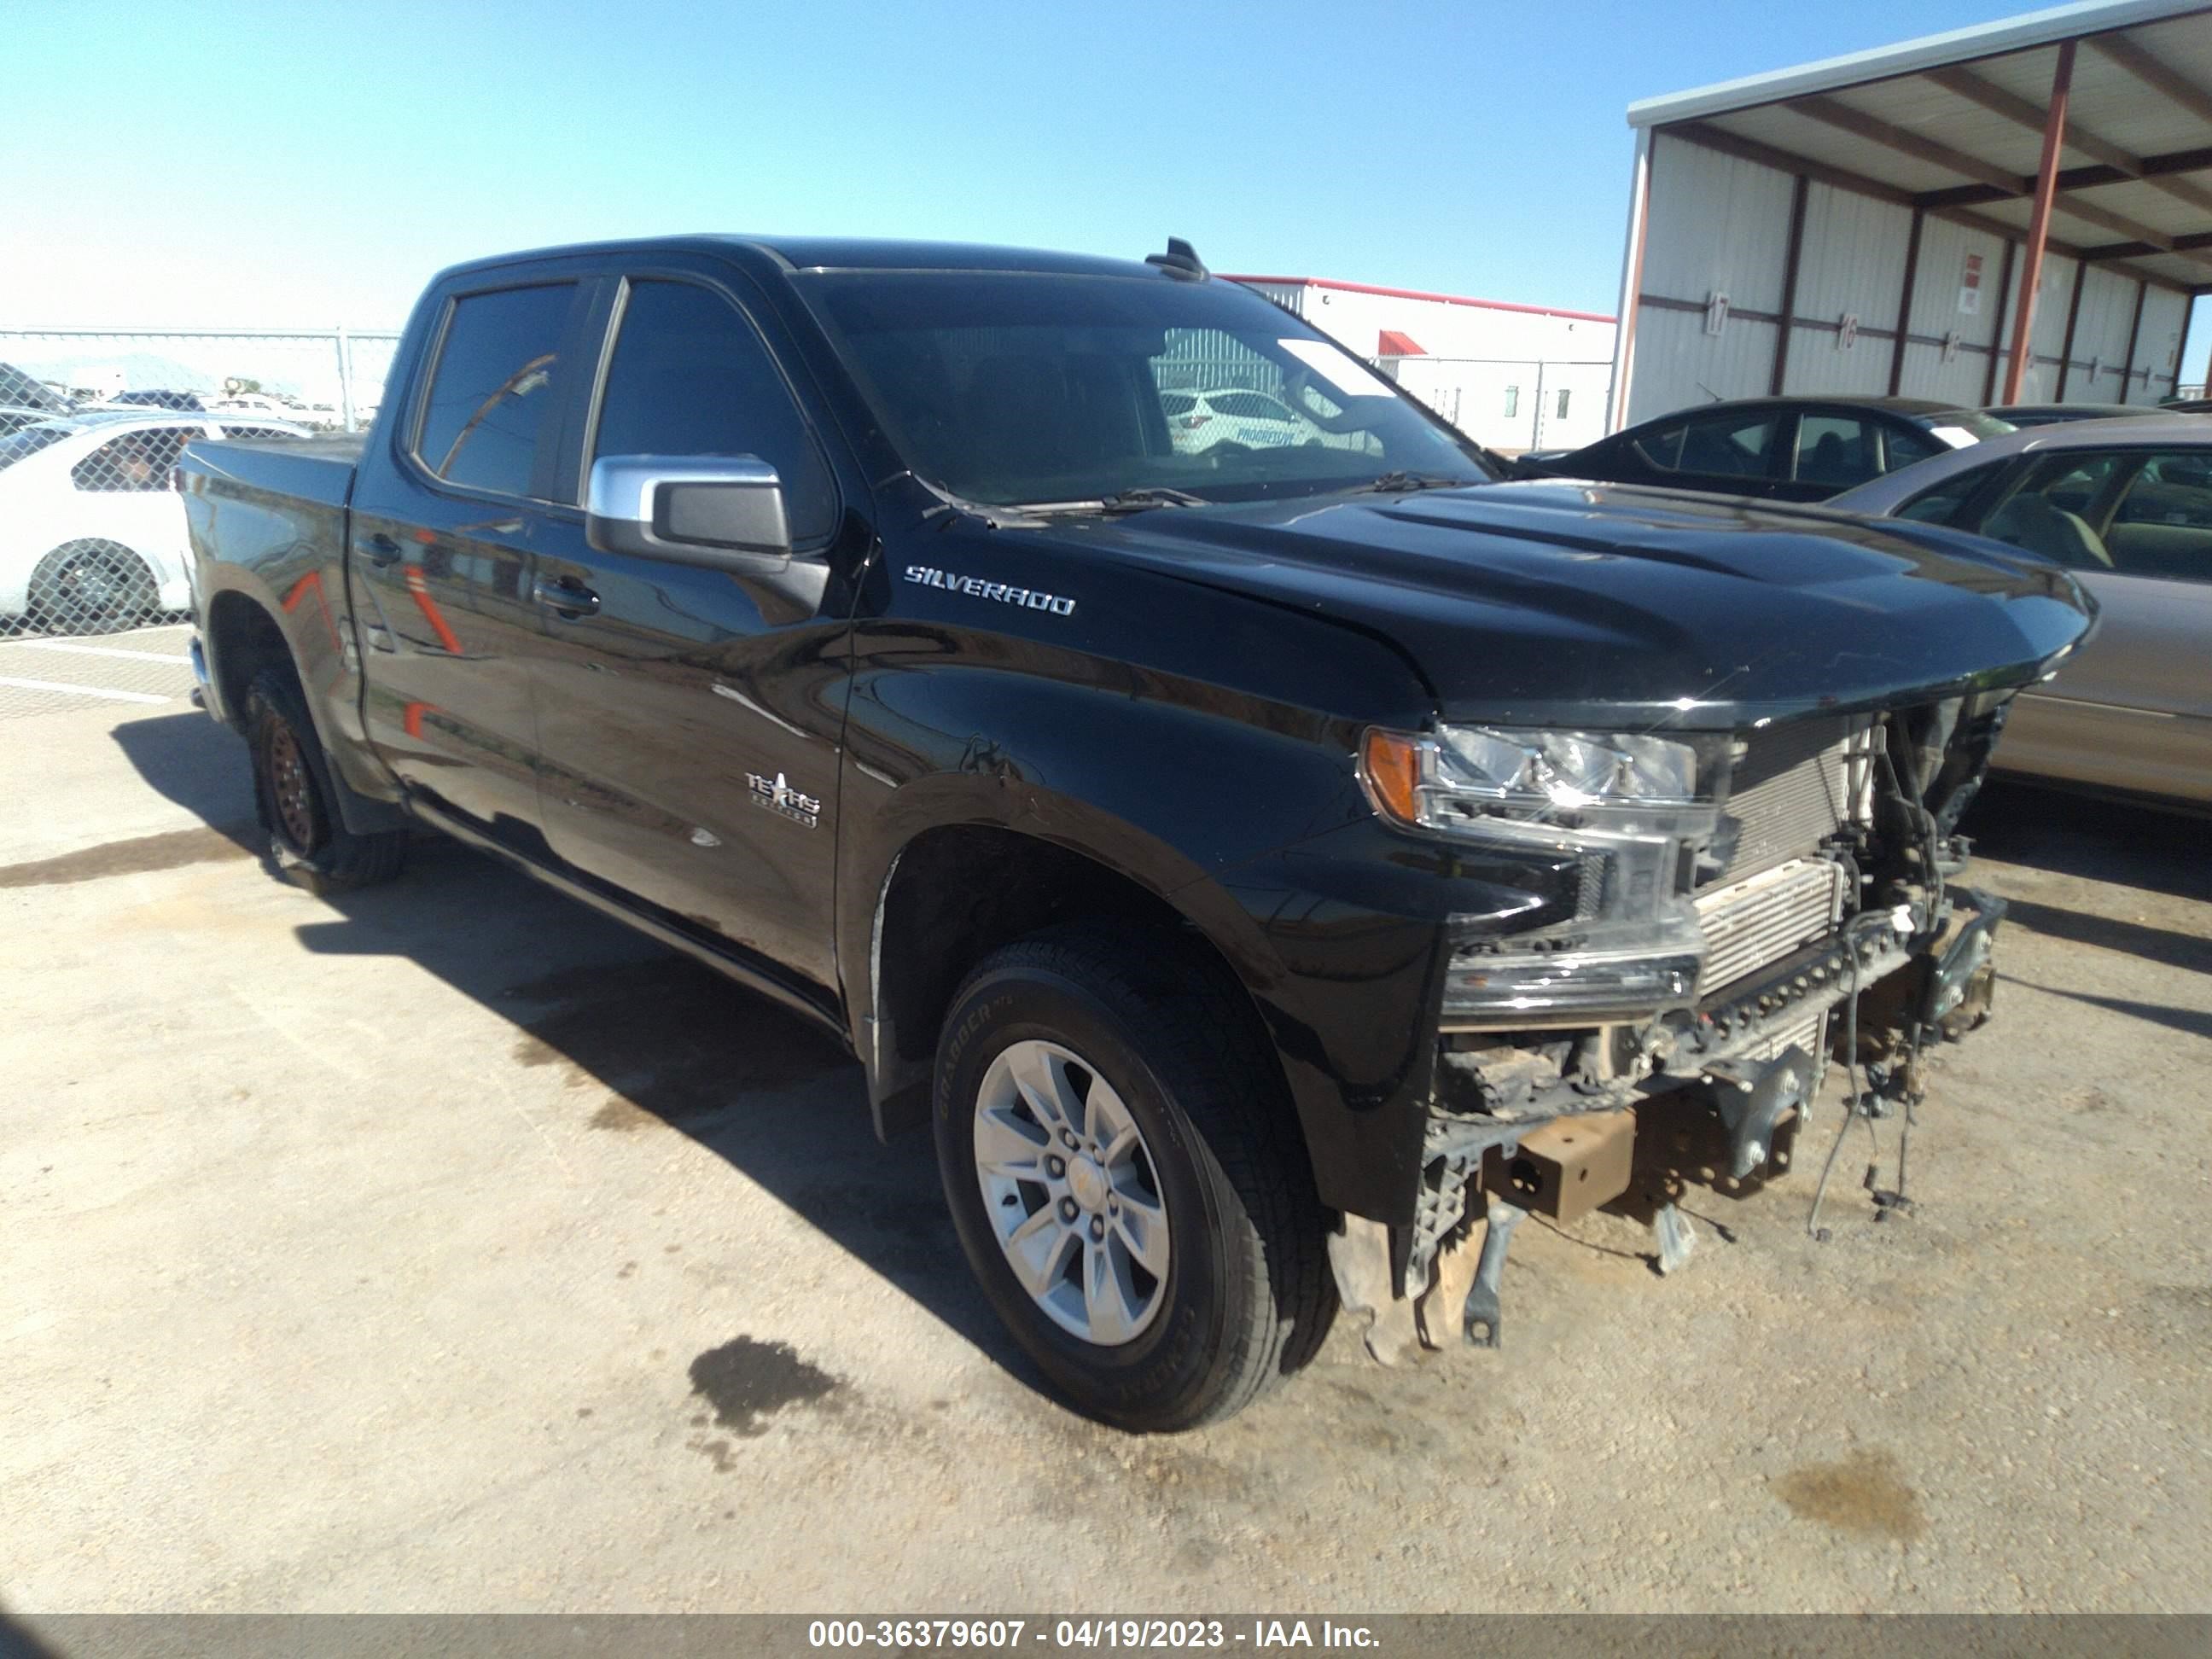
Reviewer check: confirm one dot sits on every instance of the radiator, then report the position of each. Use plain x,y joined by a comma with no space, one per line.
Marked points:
1790,790
1752,922
1809,1034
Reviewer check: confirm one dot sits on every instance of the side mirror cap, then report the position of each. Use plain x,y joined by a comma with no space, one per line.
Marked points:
723,513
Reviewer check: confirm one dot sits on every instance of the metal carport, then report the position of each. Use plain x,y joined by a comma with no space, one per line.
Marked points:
2021,211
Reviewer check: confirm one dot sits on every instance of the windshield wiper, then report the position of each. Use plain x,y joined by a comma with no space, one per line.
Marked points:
1406,481
1151,496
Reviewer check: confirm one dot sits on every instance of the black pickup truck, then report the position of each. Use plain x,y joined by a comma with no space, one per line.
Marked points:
1272,856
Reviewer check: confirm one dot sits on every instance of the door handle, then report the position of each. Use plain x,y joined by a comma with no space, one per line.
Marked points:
380,549
565,595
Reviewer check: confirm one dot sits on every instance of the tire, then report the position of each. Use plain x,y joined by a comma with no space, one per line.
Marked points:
1245,1296
297,801
90,587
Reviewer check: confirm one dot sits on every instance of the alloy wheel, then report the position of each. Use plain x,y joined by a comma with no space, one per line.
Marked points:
1071,1191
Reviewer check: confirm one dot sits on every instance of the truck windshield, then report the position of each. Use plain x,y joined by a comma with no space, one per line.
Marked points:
1021,389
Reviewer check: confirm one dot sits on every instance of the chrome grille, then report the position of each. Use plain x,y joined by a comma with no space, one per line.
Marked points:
1750,923
1790,791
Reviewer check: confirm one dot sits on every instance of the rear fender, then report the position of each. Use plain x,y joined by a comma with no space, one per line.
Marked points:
284,561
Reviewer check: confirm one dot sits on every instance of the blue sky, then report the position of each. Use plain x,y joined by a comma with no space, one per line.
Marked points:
237,163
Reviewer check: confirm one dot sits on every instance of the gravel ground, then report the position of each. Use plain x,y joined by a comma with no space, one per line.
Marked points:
450,1247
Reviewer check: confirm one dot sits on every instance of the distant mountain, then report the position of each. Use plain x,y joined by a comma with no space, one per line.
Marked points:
307,369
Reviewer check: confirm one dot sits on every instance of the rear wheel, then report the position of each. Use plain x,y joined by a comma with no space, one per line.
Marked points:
296,799
91,587
1126,1180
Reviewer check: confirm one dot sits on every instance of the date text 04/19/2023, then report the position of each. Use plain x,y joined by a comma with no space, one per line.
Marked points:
1260,1635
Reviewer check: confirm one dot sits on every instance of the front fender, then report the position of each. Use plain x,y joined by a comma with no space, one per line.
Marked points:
1253,830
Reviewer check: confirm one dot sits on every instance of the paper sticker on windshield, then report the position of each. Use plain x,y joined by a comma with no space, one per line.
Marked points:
1957,436
1342,373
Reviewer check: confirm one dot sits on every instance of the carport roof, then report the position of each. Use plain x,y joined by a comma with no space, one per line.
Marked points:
1954,124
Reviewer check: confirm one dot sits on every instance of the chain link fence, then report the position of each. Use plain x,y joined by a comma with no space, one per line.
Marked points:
331,379
92,423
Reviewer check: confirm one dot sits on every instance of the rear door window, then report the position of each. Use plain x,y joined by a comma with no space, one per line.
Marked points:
19,445
691,375
1662,449
2074,483
1731,446
2059,511
494,387
1904,445
136,462
1836,451
2161,524
1943,504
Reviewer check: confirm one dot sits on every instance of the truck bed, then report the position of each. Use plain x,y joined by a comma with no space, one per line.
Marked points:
315,471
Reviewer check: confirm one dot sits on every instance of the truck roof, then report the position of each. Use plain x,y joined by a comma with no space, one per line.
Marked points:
841,252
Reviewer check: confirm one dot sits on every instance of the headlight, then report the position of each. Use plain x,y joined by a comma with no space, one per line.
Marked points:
1634,810
1452,781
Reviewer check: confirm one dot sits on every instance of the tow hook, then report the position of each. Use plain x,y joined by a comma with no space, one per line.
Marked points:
1480,1321
1752,1094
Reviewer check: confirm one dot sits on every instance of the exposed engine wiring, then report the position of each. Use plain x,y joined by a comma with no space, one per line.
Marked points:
1924,826
1854,1109
1930,851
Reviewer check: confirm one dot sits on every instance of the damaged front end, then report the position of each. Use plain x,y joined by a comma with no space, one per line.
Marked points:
1752,906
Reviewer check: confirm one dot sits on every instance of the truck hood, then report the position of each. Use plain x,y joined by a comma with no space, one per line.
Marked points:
1533,603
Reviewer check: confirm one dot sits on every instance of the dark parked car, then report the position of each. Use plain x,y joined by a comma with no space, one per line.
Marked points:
18,391
2024,415
1790,449
1284,863
187,402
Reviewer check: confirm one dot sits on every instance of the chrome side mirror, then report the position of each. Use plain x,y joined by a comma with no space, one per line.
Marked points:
724,513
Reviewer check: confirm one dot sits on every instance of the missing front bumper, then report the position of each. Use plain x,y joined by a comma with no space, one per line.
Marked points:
1717,1099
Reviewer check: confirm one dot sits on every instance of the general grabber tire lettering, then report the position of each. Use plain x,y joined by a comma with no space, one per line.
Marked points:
296,800
1105,1109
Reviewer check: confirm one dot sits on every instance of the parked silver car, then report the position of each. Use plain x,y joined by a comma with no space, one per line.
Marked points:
2127,505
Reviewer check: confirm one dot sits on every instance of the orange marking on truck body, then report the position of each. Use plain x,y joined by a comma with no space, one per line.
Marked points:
418,587
312,582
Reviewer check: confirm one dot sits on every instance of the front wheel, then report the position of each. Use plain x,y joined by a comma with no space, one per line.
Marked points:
1126,1179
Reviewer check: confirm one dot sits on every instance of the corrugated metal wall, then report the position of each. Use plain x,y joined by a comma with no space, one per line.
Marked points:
2101,337
2158,344
1852,255
2040,384
1678,364
1954,297
1720,224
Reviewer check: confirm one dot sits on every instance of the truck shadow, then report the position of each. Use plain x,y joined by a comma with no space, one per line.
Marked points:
192,761
2141,854
652,1041
2103,841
